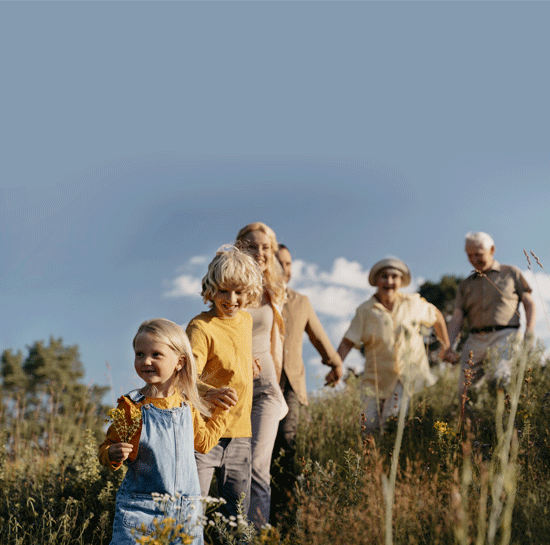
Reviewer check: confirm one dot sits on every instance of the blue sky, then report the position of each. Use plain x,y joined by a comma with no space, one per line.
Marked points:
138,137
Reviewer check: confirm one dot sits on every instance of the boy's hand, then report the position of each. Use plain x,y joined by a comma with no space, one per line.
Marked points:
221,397
118,452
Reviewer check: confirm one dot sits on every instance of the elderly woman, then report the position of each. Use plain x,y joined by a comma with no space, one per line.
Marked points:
387,328
267,403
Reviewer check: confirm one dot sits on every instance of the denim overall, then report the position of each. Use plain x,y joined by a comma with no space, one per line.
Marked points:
165,465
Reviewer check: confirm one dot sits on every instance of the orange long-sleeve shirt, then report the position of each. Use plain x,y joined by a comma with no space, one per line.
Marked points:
206,433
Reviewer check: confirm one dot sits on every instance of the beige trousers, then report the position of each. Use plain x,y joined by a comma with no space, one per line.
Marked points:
491,357
377,411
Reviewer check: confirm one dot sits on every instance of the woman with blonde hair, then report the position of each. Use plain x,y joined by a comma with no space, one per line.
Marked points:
268,405
260,241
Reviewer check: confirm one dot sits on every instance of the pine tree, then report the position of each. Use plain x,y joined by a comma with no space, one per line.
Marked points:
43,395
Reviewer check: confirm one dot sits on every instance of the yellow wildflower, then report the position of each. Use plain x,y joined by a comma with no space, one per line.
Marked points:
118,419
442,429
164,531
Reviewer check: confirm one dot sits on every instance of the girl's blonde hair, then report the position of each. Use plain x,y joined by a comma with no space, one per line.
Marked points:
174,336
233,266
273,276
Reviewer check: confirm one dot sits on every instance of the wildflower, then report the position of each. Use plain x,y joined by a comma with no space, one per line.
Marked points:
165,530
119,420
442,429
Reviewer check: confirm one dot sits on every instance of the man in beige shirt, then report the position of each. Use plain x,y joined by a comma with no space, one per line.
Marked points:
298,316
489,299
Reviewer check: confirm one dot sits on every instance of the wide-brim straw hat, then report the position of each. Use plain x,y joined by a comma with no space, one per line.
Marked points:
390,263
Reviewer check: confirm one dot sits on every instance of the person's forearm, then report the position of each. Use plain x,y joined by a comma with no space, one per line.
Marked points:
530,312
344,348
440,328
454,326
319,339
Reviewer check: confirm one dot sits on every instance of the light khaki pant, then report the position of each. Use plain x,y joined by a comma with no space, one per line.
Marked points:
491,357
377,411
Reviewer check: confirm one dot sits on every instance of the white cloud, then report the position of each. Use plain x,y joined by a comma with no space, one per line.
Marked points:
335,301
343,273
190,284
198,260
303,271
316,365
346,273
540,283
336,329
184,286
336,293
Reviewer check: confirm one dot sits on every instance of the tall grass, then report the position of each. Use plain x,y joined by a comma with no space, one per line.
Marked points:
486,481
53,490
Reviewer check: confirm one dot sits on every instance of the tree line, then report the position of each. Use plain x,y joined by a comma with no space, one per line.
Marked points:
44,387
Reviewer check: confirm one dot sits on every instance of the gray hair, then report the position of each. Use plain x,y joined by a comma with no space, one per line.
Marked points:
479,239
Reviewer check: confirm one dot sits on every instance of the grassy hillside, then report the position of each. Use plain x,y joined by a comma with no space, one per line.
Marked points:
442,475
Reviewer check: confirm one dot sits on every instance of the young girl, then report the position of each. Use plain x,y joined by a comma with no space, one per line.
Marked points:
155,429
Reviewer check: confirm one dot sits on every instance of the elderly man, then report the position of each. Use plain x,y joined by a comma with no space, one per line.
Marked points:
298,316
489,298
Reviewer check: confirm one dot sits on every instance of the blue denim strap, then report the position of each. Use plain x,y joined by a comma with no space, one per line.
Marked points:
135,395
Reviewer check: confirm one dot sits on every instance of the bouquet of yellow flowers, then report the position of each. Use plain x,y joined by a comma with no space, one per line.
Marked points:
125,430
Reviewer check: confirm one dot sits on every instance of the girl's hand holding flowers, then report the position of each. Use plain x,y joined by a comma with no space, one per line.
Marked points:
118,452
126,429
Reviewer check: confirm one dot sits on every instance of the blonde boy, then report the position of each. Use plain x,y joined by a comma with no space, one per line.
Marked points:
221,340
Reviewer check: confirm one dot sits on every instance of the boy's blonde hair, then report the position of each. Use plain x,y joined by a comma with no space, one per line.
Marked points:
174,336
233,266
273,276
